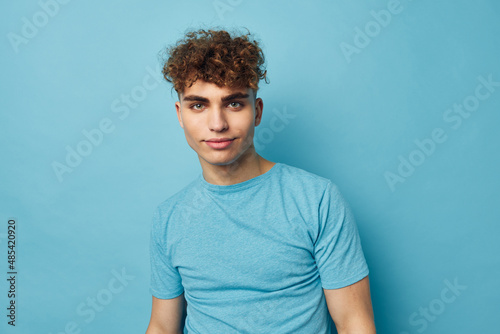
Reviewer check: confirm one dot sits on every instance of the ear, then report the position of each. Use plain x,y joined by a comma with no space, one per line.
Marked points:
259,106
179,115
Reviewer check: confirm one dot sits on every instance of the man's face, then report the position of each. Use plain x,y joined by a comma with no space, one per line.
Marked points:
219,122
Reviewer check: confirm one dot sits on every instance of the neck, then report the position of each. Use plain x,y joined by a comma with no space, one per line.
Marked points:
246,167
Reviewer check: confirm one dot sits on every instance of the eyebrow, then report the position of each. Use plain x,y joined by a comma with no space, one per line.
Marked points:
195,98
238,95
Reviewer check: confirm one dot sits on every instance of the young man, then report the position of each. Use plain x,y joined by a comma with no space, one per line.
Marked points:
250,245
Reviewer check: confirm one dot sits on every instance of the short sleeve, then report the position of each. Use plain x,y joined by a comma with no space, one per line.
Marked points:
337,249
165,279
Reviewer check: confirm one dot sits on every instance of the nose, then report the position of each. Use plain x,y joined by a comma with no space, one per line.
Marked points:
217,120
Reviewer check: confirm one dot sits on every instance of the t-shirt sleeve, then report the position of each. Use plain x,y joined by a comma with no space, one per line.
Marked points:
337,249
165,279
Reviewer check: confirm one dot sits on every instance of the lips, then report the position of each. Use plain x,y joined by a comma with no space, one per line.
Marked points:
219,143
218,140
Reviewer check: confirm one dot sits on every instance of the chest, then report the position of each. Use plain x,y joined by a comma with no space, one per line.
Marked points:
234,252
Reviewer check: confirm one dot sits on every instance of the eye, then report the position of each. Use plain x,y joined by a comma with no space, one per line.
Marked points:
197,106
235,105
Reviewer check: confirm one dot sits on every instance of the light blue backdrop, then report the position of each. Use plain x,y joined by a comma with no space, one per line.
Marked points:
397,102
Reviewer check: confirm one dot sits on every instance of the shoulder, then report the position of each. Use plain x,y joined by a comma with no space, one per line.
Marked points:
165,208
310,188
306,180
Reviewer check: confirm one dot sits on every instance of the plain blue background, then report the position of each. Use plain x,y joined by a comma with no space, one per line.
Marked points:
354,117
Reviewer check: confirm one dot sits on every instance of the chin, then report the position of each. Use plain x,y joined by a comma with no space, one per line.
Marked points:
220,161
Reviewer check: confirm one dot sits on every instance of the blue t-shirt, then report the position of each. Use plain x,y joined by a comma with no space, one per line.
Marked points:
253,257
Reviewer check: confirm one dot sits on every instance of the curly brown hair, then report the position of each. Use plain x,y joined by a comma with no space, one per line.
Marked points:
217,57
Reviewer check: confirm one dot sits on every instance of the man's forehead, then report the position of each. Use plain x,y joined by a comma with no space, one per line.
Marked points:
211,90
